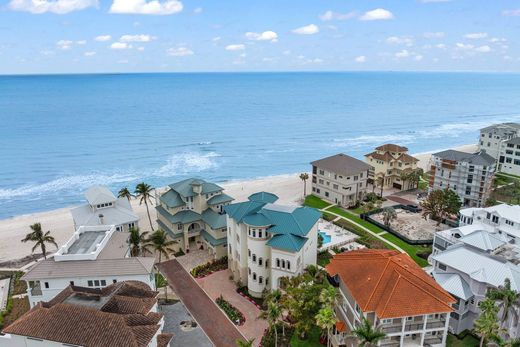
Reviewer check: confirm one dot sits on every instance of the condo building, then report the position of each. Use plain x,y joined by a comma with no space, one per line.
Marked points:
470,175
267,241
192,212
389,163
492,138
94,257
103,208
340,179
390,290
509,158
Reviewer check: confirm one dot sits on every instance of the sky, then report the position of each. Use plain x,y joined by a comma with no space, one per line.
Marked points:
98,36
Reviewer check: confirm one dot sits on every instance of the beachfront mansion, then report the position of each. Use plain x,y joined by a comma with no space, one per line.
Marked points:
267,241
192,212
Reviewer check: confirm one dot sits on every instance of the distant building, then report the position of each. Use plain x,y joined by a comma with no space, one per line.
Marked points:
267,241
470,175
94,257
192,213
123,314
509,158
390,162
492,138
390,290
340,179
103,208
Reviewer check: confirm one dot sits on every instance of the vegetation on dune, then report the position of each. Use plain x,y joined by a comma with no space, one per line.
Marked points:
40,239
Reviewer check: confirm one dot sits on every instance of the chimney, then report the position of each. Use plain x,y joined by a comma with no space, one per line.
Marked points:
101,220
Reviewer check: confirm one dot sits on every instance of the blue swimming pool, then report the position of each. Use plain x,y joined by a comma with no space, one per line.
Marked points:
326,237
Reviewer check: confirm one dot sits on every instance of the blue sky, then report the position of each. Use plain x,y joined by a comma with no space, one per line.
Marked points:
82,36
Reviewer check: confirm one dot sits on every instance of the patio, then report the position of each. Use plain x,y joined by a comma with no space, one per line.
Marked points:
334,236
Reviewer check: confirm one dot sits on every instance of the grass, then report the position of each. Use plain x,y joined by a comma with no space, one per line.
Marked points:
467,341
412,250
314,201
313,340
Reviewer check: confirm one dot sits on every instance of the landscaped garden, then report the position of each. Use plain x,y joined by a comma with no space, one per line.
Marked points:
506,189
15,307
324,258
209,268
231,311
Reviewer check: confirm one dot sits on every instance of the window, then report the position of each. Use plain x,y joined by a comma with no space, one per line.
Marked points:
277,262
90,283
495,219
238,238
179,226
260,262
71,283
254,233
267,263
249,271
260,279
322,173
409,318
103,283
47,285
283,264
254,276
441,266
288,265
114,281
386,321
254,258
259,233
249,253
327,194
266,280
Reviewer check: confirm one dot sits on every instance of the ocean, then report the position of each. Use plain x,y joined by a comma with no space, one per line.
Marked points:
60,134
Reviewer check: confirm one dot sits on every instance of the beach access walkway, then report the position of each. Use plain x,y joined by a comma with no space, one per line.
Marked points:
217,326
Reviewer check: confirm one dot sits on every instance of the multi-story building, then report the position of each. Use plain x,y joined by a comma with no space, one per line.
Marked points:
123,314
94,257
470,175
192,213
509,158
390,162
390,290
103,208
492,138
340,179
267,241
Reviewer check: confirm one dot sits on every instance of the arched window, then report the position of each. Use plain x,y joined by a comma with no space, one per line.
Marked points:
259,233
254,233
249,252
288,265
254,276
266,280
249,270
260,279
254,257
283,264
260,261
267,263
277,262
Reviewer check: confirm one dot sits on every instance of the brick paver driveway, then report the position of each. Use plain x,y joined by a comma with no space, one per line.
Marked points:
219,283
220,330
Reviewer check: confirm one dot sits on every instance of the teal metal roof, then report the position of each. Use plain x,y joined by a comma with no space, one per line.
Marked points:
185,187
213,241
298,222
257,220
219,199
287,242
168,230
241,209
184,217
172,199
264,197
214,219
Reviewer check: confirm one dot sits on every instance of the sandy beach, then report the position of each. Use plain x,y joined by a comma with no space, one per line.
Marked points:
289,189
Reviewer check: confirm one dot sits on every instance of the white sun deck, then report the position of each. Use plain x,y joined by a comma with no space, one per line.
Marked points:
86,243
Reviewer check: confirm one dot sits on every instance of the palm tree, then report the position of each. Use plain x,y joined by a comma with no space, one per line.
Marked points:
272,315
389,214
325,319
304,177
137,241
500,342
159,243
367,335
509,299
486,324
40,238
124,193
329,295
143,191
246,343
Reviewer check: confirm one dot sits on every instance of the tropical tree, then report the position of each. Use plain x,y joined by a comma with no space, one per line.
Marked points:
143,192
368,206
272,315
413,177
245,343
486,325
124,193
508,298
367,335
137,241
440,204
381,181
389,215
326,320
159,243
304,177
39,238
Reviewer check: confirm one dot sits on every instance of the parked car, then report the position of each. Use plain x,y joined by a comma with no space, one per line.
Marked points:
414,208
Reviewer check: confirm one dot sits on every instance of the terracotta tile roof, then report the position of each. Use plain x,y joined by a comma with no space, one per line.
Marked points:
391,148
384,157
118,316
341,327
164,339
385,281
406,158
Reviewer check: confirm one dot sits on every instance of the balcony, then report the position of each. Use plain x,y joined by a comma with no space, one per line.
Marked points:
437,324
392,328
36,291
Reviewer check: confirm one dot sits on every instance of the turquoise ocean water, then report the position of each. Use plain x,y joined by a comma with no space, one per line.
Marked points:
61,134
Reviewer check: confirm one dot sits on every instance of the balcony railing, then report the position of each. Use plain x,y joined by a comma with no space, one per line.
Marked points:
388,329
36,291
438,324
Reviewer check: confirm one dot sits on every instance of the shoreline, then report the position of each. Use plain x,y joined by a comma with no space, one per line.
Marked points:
288,187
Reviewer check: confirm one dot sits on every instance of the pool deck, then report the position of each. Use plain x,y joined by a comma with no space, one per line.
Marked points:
338,236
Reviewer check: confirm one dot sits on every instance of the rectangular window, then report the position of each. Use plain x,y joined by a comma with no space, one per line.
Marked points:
96,283
90,283
114,281
103,283
47,285
441,266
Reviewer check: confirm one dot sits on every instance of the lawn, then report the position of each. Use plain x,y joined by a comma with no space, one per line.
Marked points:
314,201
467,341
312,341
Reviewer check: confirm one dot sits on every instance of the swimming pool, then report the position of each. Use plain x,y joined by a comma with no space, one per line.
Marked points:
326,237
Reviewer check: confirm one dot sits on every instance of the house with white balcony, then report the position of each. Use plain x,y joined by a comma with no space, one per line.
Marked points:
390,290
123,314
103,208
267,241
94,257
192,213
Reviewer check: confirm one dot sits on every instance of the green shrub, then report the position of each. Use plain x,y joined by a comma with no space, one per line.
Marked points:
231,311
209,268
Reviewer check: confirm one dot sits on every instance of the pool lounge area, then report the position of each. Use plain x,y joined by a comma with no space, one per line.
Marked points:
334,236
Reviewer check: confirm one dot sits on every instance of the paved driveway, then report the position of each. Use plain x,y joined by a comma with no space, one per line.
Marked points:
220,330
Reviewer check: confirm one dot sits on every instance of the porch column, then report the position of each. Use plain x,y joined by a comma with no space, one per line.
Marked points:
445,334
402,329
424,329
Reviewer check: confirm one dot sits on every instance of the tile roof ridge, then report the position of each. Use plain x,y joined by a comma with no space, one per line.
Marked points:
377,285
391,293
447,296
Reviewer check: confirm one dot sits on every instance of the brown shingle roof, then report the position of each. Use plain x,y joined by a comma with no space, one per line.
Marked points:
389,283
392,148
116,316
387,157
342,164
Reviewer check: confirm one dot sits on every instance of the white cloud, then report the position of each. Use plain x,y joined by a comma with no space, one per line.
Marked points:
103,38
512,13
47,52
89,54
496,39
418,57
153,7
122,61
331,15
197,10
402,54
483,49
179,51
216,39
360,59
53,6
441,46
286,52
264,36
140,49
81,42
476,36
120,45
397,40
235,47
307,30
64,44
464,46
377,14
136,38
434,35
